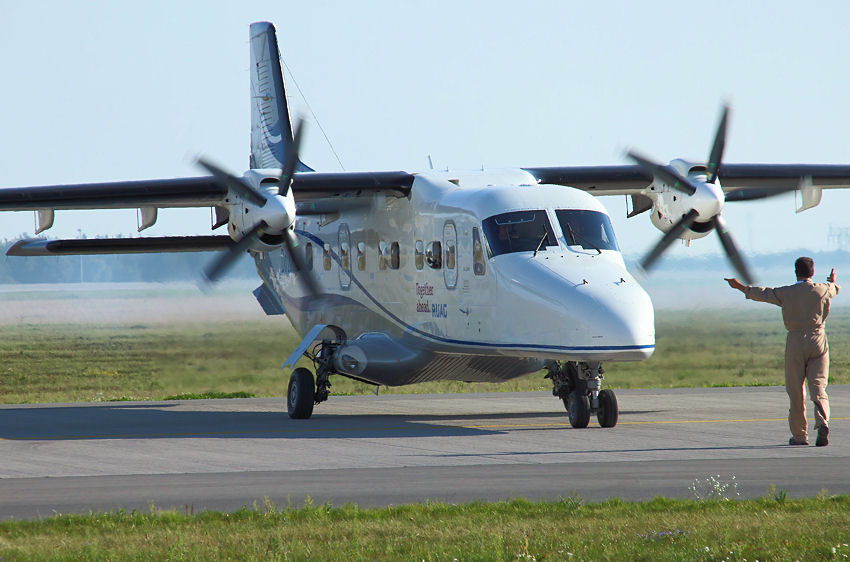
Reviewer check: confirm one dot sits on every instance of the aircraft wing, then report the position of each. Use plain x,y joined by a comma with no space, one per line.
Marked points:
315,193
745,181
144,245
180,192
189,192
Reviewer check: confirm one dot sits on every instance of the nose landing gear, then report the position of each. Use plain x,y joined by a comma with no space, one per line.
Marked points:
579,386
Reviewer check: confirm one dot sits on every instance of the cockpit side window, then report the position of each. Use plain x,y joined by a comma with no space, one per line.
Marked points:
519,231
589,229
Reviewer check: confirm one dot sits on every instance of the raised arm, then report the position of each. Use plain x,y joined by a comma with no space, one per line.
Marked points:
761,294
735,284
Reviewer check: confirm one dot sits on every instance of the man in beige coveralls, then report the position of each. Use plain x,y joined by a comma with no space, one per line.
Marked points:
805,306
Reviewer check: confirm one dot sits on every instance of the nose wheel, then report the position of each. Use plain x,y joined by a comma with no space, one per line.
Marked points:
578,409
608,412
579,386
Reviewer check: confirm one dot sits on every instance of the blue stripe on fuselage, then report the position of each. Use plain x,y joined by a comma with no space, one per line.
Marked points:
413,329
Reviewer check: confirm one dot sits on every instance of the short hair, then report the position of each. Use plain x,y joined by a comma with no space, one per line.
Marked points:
804,267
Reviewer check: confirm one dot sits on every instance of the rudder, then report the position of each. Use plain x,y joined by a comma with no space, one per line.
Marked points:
269,109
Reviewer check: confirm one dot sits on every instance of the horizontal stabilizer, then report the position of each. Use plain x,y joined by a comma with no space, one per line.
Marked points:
87,246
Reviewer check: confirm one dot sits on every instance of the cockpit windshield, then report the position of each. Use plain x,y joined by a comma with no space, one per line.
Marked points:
589,229
519,231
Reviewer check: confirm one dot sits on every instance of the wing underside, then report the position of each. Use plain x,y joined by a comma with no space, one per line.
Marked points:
145,245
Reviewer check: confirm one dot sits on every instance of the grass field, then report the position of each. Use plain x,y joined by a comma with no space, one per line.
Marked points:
770,528
67,363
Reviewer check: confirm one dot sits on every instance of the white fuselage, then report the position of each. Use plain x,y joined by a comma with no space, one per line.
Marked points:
477,316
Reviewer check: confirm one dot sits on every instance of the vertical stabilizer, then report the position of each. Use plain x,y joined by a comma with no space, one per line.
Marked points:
271,128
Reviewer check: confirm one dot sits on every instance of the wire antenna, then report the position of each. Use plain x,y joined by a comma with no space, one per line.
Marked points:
313,113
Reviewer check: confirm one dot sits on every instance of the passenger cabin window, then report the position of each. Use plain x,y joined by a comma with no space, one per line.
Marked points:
519,231
326,257
589,229
383,255
344,256
434,254
419,255
389,255
308,256
361,256
395,257
479,265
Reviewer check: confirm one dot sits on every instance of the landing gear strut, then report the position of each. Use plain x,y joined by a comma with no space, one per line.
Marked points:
579,386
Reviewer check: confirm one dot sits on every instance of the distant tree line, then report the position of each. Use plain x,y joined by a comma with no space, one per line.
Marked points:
823,261
160,268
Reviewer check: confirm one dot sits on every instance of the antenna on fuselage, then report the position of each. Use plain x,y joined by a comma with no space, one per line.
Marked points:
313,113
430,162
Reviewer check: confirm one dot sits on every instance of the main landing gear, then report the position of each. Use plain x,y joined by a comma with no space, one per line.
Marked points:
579,386
304,392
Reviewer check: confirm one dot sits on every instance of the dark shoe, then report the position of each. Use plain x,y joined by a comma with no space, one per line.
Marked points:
823,436
797,441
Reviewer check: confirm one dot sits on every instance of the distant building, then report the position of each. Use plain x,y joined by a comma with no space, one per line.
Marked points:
839,237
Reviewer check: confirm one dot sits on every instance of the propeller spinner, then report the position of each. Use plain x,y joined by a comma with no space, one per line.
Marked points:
705,198
274,215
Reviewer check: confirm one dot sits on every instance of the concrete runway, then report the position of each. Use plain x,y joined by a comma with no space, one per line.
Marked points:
224,454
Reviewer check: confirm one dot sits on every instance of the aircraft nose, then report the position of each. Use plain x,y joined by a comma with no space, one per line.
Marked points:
588,310
618,318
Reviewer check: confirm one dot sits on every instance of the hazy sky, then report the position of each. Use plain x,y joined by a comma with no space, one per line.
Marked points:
97,91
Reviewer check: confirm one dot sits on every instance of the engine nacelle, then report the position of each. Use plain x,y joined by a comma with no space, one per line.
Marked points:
278,212
670,205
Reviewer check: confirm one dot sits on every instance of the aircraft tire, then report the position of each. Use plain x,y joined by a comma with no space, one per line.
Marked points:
608,411
578,409
300,394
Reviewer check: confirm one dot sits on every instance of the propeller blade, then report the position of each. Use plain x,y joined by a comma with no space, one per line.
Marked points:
291,158
675,231
755,193
233,184
665,173
334,205
305,275
717,149
732,251
226,258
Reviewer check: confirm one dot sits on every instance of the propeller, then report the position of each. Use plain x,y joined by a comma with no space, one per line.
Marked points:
225,259
276,215
669,237
716,155
706,199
